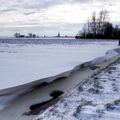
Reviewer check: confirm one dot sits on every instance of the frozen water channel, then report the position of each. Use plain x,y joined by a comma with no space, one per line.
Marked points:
97,99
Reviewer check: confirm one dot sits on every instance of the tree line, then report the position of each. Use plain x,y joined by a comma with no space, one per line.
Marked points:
99,27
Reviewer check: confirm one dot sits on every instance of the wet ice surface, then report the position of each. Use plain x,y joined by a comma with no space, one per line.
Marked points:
97,99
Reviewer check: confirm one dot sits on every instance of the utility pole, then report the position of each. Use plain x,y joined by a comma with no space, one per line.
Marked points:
58,34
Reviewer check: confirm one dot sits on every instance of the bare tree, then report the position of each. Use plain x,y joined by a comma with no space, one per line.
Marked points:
103,19
99,26
93,23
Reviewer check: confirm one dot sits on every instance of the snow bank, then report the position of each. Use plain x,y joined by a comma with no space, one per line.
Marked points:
97,99
110,54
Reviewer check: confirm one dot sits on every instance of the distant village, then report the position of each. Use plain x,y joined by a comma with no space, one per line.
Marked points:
31,35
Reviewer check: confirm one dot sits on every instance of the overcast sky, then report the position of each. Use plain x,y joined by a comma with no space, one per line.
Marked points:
48,17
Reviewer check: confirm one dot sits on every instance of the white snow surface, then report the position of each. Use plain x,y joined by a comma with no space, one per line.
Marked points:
25,63
97,99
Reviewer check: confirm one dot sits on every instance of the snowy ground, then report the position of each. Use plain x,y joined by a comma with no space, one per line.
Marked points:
23,63
97,99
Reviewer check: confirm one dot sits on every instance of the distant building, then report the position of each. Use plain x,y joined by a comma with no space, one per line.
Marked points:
18,35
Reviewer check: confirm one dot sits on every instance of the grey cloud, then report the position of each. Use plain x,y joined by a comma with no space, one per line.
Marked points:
28,13
110,4
49,3
35,4
7,10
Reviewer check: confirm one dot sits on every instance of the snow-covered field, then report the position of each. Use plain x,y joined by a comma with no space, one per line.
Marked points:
97,99
23,63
